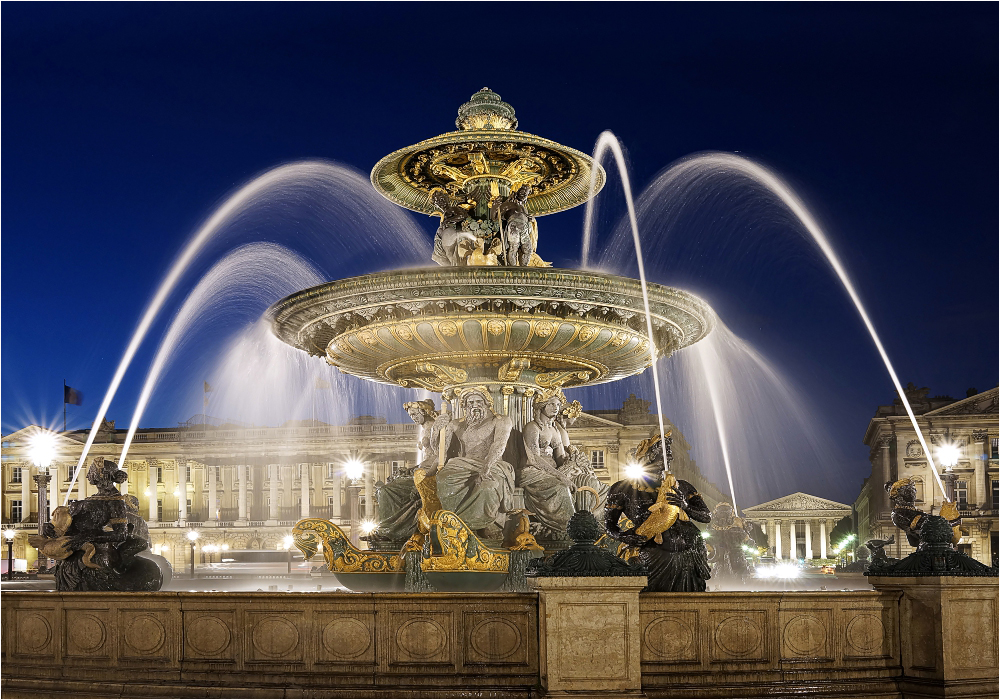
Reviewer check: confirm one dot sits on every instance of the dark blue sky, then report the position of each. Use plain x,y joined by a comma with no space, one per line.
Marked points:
125,124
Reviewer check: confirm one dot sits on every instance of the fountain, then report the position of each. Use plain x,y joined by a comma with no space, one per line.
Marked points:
494,320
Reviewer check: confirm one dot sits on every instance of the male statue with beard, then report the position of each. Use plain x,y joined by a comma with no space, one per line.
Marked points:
477,485
398,500
546,488
578,466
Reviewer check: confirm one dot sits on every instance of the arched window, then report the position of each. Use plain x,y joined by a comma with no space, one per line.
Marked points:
918,483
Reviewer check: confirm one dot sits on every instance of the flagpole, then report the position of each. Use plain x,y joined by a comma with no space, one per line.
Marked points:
64,405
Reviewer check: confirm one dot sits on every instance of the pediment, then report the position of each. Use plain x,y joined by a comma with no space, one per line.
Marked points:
798,502
587,420
980,404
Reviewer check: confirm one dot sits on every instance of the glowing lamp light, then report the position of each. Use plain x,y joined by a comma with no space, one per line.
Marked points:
705,534
287,542
147,492
354,469
42,448
176,492
634,470
367,526
786,570
192,535
948,455
9,534
225,547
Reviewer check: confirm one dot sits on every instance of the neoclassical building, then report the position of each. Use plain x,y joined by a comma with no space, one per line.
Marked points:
968,424
798,526
246,487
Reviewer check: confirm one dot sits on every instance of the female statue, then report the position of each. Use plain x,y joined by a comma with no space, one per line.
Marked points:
546,488
577,465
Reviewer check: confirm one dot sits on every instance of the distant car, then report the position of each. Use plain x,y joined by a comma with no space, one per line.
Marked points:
827,569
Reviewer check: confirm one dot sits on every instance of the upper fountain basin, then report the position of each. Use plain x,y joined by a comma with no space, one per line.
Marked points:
445,327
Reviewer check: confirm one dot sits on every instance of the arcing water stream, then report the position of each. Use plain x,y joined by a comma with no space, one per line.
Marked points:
697,166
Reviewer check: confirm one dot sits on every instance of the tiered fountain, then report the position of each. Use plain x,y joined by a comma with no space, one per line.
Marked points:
494,317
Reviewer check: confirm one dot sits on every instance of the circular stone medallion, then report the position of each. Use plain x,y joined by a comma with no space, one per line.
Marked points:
274,636
346,638
495,638
421,638
668,637
145,634
738,636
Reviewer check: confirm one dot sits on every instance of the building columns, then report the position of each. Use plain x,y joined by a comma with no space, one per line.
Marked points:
822,539
304,468
777,539
274,506
979,465
182,491
213,508
242,474
25,492
369,491
809,545
335,511
152,488
769,526
793,550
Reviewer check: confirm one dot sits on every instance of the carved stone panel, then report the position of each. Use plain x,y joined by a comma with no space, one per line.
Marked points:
493,638
866,633
34,631
672,637
145,634
87,634
345,638
275,636
420,638
738,635
806,634
208,635
600,648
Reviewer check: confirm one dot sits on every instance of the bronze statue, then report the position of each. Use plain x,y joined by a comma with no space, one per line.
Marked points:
516,227
547,490
729,534
96,541
477,484
451,243
675,557
908,518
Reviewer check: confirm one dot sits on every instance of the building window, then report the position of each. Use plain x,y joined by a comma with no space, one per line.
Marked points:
159,475
15,475
597,459
17,513
188,501
298,473
919,485
331,471
329,501
187,474
994,448
962,492
996,492
159,509
69,474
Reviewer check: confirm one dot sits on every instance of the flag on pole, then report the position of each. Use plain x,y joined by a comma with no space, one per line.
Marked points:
206,388
321,384
72,396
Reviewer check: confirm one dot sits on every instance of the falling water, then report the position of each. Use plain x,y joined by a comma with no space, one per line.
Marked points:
694,171
247,280
607,141
348,202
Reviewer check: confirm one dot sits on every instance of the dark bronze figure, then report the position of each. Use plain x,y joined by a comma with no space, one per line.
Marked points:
675,558
98,542
729,534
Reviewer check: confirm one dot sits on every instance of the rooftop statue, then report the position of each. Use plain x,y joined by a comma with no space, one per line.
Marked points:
675,557
97,542
478,485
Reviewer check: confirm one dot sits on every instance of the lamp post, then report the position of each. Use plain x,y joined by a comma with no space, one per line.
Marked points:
948,455
355,471
192,536
9,534
41,452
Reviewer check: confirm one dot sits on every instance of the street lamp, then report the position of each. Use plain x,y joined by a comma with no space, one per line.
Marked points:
41,452
9,534
192,536
287,544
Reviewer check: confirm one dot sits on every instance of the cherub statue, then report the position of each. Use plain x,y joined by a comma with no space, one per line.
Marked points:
679,561
95,541
451,243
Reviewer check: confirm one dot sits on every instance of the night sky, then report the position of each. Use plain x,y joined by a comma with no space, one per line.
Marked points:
125,125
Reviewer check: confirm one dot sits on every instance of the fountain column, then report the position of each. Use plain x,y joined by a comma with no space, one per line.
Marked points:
274,505
822,539
26,492
213,508
979,467
809,545
305,489
793,552
241,471
777,539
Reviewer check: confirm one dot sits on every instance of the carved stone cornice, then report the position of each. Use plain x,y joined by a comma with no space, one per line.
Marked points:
980,435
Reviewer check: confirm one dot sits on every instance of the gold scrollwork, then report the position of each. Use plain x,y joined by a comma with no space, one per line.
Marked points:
557,379
454,547
340,554
511,371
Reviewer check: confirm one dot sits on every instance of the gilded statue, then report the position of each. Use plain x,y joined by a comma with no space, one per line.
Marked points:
675,557
547,490
96,542
451,243
477,484
399,499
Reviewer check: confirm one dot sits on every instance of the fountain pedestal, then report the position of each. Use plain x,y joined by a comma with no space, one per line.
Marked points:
588,634
948,633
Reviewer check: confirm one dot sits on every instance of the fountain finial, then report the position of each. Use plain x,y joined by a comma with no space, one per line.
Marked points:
485,110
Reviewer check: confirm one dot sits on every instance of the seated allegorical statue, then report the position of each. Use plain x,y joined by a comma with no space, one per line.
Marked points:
96,542
577,465
675,558
477,485
908,518
398,500
547,489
